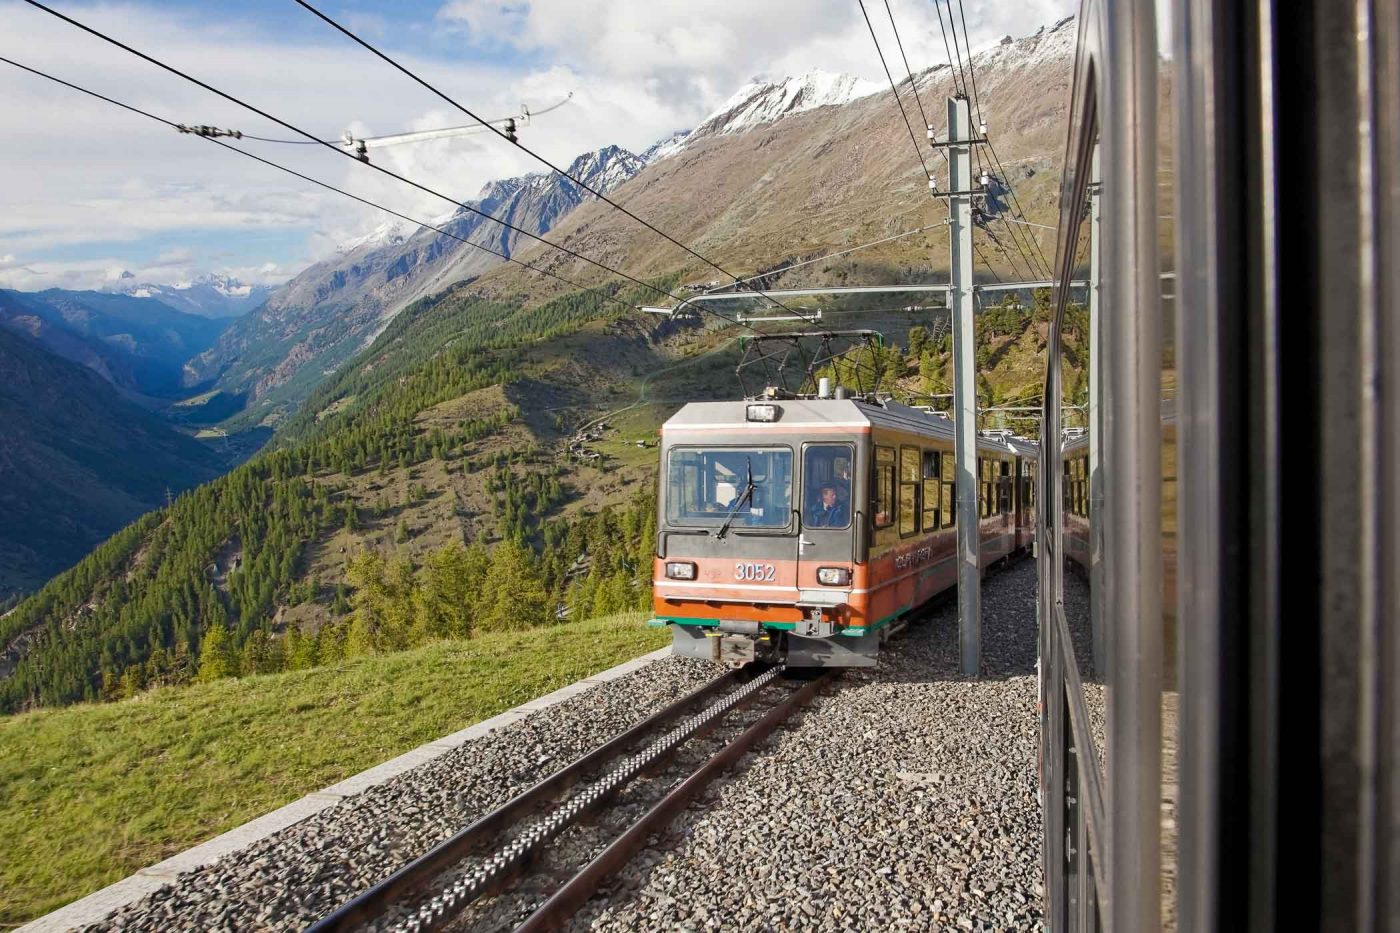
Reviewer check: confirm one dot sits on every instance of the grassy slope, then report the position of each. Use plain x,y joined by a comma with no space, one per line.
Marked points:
95,792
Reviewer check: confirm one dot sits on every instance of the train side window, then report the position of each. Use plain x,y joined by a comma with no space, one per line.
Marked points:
826,485
883,479
950,498
932,490
1004,485
984,487
909,477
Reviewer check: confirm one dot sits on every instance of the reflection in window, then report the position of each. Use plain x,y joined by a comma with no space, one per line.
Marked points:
932,490
883,481
705,485
910,473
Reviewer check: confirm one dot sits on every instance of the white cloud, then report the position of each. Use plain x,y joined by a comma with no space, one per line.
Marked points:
79,171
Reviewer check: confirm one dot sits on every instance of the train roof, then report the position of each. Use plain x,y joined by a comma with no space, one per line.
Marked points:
824,414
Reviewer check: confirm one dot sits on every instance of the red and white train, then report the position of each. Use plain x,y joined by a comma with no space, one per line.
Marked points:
800,529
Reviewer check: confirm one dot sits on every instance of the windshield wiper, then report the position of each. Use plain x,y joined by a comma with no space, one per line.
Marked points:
738,503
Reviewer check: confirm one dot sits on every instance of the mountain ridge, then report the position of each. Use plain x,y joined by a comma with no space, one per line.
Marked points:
330,311
78,462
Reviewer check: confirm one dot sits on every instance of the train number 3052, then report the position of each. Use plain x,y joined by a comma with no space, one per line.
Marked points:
763,572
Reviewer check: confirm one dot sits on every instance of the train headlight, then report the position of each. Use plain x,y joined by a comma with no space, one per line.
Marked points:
834,576
680,570
764,412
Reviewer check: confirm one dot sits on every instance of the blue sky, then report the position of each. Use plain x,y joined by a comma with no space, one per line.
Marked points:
91,191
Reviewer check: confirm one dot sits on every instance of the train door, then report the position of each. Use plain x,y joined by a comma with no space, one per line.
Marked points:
830,502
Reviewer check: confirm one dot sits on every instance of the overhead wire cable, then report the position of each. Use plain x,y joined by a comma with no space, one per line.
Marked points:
912,86
893,87
283,123
947,49
917,148
355,197
1021,214
1036,252
539,158
323,184
957,51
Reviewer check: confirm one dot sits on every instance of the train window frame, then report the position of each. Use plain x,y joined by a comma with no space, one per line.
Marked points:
1004,482
931,517
807,447
984,488
883,471
909,518
785,529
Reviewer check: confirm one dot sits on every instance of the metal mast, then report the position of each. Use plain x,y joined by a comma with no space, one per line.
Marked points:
960,303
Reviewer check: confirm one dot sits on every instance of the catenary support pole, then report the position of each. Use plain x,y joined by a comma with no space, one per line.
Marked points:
960,303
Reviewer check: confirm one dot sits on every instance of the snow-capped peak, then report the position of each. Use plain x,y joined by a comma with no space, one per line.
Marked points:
389,233
606,168
665,147
767,101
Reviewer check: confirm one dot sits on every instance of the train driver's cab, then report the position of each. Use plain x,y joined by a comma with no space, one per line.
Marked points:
826,486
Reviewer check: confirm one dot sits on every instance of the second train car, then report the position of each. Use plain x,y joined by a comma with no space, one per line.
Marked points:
799,530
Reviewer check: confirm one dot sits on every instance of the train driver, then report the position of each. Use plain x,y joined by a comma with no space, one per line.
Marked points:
829,511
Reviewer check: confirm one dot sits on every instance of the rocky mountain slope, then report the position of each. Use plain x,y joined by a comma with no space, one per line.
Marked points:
830,177
77,462
329,312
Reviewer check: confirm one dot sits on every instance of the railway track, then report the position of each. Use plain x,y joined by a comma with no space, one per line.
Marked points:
533,862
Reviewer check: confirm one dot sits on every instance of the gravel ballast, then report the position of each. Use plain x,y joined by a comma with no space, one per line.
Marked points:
302,873
904,799
907,799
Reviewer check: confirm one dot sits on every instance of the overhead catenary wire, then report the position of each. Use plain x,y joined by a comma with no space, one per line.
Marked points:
957,51
318,182
893,88
1021,214
573,284
283,123
1034,256
923,114
918,150
539,158
948,49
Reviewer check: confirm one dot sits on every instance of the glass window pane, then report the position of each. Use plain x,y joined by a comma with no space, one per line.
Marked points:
908,508
705,486
933,491
883,479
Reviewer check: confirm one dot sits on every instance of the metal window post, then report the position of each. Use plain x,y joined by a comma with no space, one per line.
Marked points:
960,304
1096,581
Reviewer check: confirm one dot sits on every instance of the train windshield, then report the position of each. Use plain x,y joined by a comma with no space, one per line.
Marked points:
704,486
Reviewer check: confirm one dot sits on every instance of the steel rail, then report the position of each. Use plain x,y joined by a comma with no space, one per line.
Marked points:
561,907
413,877
508,863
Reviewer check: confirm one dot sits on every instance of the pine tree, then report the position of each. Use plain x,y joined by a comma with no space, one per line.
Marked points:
514,597
448,588
216,655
